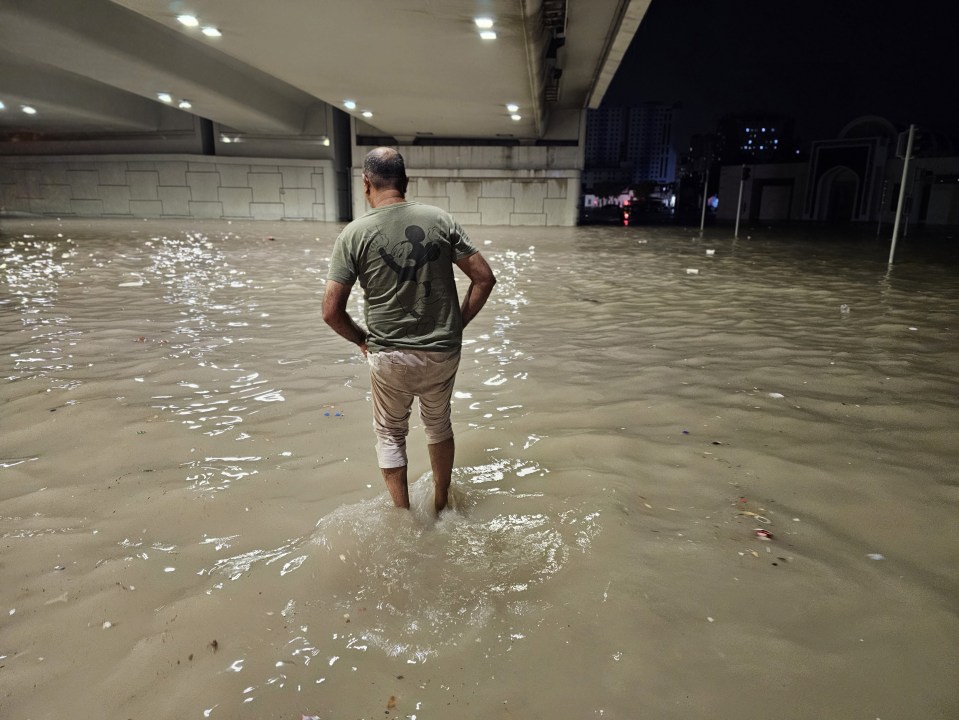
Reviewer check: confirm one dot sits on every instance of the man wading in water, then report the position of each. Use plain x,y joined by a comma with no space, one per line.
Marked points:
403,253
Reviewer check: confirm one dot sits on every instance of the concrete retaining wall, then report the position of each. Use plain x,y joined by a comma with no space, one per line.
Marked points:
492,185
168,186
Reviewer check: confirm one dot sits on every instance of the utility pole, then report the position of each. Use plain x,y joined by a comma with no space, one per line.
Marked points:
707,150
739,203
702,219
902,192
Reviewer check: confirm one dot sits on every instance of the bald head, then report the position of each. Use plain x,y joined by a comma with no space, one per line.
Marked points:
385,169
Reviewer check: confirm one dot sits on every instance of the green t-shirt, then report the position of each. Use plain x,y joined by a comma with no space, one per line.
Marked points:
403,257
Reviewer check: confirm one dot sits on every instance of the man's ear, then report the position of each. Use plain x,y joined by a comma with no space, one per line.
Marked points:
367,185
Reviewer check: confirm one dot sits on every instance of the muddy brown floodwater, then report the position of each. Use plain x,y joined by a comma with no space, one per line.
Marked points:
724,494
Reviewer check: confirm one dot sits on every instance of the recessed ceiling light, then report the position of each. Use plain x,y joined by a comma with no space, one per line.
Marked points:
483,23
188,20
164,97
211,31
488,35
512,107
2,106
367,114
185,105
515,116
325,141
349,104
226,138
28,110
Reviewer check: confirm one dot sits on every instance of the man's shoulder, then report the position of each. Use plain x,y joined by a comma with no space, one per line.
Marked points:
408,210
421,208
356,227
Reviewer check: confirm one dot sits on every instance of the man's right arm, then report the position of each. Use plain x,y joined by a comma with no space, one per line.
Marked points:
482,281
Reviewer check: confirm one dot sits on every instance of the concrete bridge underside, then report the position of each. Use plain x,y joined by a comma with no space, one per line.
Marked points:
137,114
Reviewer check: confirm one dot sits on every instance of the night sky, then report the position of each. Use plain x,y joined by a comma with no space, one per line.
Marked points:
822,63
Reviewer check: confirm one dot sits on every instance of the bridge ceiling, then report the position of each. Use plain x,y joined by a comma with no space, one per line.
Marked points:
420,67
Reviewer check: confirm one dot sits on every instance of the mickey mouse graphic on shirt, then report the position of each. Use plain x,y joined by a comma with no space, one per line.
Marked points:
407,258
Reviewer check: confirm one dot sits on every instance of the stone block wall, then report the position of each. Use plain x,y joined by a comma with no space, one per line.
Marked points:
492,197
490,184
168,186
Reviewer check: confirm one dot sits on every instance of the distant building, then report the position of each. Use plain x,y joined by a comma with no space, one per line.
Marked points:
628,146
756,137
853,178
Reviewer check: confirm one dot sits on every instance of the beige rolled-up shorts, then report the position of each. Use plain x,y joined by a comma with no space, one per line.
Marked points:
396,377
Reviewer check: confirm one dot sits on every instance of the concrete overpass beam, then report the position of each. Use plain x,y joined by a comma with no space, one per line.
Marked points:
127,51
89,102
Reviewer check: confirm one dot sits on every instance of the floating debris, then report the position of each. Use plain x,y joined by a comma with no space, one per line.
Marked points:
761,518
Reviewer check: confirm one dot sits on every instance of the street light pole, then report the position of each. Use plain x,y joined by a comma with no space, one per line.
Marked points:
882,206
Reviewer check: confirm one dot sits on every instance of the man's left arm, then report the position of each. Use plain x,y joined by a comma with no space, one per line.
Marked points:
482,281
334,314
